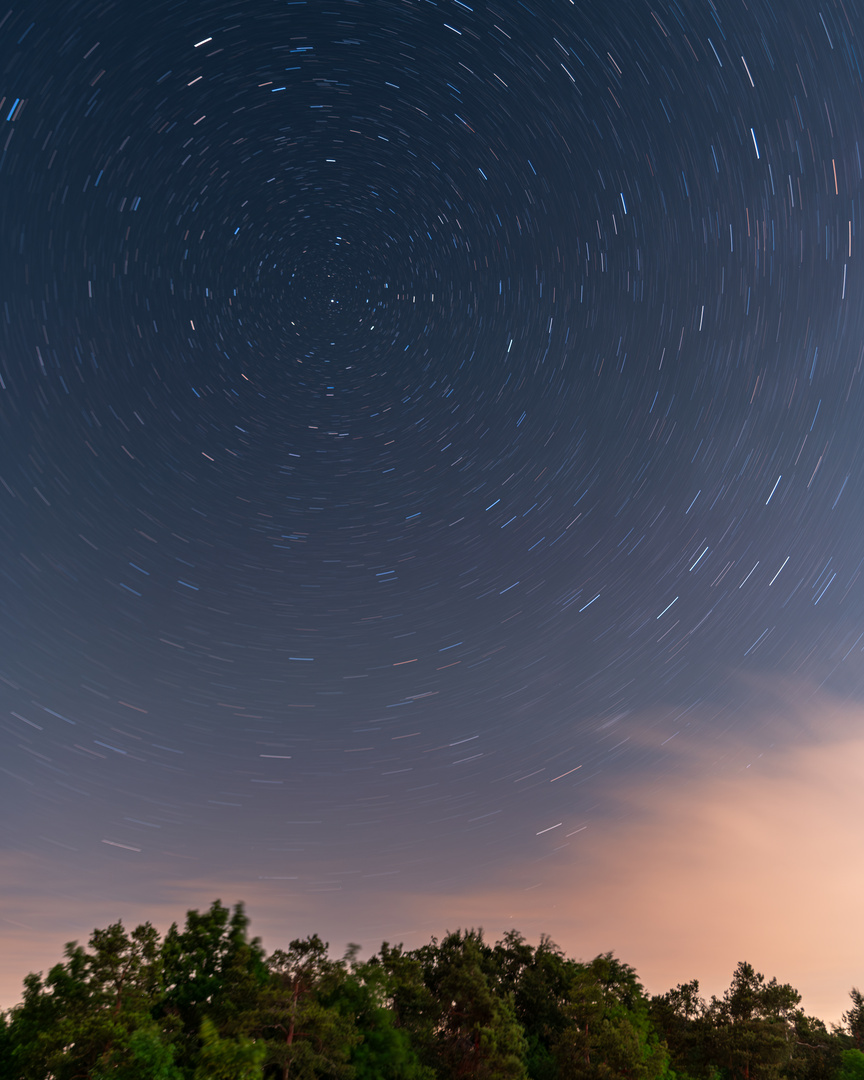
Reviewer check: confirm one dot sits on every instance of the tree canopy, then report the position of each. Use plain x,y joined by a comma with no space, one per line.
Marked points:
205,1002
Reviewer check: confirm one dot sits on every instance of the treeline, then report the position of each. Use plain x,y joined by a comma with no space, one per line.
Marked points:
206,1003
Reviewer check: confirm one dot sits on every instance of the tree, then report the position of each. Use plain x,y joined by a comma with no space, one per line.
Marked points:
143,1055
384,1052
854,1018
851,1065
206,1004
609,1031
680,1017
753,1025
306,1034
816,1053
538,979
211,971
228,1059
6,1049
87,1013
414,1008
477,1033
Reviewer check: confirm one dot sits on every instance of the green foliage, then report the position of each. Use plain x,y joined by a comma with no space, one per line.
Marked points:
412,1003
385,1051
205,1003
609,1033
756,1031
85,1018
477,1032
212,970
539,980
854,1018
851,1065
6,1046
306,1035
752,1033
228,1059
143,1055
680,1017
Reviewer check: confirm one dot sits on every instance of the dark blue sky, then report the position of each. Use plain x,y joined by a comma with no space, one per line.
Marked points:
414,416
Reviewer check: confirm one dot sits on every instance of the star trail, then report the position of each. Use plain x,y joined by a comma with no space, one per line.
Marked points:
422,424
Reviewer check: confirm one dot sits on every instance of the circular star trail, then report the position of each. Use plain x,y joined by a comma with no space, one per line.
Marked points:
412,412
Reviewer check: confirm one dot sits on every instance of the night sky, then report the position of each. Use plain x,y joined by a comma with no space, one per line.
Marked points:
430,475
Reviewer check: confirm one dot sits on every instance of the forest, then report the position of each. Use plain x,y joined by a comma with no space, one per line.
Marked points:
206,1002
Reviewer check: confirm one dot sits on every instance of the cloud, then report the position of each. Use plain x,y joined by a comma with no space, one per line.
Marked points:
739,851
